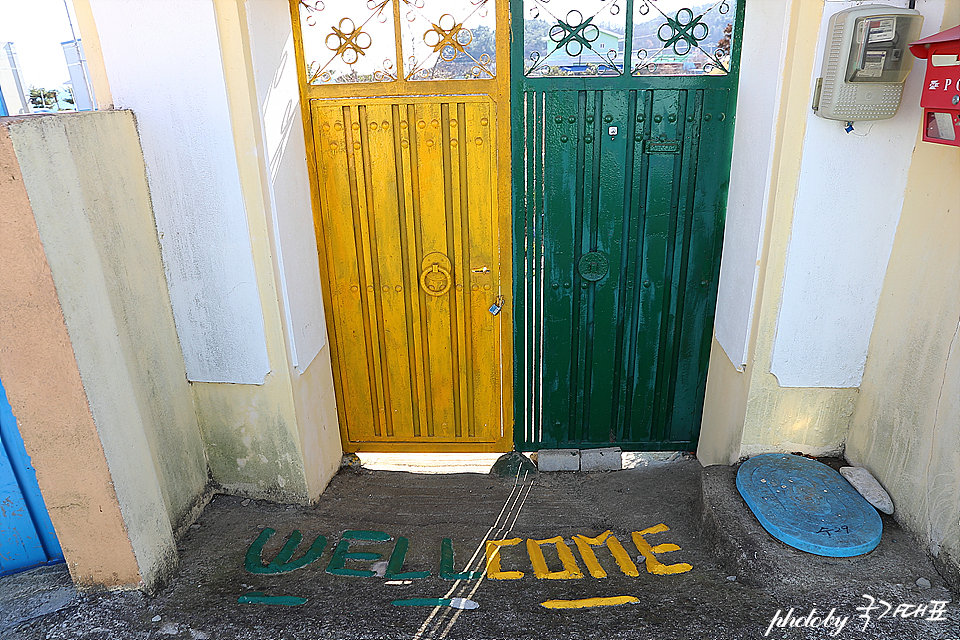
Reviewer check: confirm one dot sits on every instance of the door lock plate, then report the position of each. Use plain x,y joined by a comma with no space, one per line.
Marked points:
593,266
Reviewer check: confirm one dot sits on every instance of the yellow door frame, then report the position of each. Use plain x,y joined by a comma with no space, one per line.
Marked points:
313,99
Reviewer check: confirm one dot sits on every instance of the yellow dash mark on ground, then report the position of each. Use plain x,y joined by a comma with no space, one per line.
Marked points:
570,569
493,560
653,565
589,602
585,544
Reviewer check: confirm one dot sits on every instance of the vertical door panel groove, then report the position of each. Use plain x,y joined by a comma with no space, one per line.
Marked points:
575,367
376,299
372,353
451,205
628,275
408,277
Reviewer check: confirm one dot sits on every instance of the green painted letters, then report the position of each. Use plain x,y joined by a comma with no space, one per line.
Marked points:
446,564
282,563
396,563
340,554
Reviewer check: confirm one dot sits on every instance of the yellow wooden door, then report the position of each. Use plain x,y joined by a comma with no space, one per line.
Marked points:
411,180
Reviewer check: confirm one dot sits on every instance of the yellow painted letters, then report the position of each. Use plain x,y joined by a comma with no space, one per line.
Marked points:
493,560
585,545
653,565
570,569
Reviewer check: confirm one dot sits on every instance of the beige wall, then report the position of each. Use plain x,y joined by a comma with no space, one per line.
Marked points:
85,178
278,439
317,417
903,422
724,410
748,412
43,383
289,441
906,425
268,34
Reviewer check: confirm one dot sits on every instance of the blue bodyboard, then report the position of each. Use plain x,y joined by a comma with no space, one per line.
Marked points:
808,505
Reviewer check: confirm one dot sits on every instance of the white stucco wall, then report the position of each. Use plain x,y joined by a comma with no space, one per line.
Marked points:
848,203
191,162
758,103
275,76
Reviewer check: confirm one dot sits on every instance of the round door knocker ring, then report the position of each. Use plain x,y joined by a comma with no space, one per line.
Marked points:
435,278
593,266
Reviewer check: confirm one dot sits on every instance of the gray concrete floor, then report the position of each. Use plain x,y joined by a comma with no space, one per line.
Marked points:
740,577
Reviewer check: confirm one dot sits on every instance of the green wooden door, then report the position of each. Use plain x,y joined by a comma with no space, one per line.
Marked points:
621,163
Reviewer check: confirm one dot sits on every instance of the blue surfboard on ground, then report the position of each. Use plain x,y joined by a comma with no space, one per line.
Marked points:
808,505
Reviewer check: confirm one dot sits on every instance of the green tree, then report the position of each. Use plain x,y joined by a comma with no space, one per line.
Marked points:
724,43
43,98
536,38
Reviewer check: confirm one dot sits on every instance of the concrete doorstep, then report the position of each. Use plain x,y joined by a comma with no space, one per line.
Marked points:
587,460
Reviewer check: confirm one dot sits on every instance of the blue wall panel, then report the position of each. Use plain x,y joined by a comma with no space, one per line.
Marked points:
27,538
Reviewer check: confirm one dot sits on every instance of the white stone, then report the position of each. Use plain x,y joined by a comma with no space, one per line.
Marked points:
869,488
463,603
558,460
608,459
923,583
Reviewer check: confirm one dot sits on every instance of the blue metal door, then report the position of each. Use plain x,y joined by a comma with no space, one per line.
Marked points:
27,538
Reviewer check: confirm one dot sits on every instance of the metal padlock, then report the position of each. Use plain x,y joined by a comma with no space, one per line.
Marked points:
496,306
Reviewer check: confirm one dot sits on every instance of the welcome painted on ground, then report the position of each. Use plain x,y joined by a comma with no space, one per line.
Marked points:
393,571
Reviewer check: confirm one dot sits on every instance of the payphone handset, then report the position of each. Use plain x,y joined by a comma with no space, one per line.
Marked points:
865,62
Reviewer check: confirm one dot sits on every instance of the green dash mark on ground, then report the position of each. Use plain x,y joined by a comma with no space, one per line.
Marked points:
453,603
257,597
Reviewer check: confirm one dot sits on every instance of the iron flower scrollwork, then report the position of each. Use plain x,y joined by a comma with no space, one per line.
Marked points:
560,40
668,42
350,50
458,43
683,32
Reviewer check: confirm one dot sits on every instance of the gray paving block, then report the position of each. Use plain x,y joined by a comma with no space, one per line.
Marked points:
606,459
558,460
34,593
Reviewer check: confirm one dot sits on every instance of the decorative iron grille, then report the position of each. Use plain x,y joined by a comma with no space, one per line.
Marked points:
355,41
670,39
667,37
570,38
449,40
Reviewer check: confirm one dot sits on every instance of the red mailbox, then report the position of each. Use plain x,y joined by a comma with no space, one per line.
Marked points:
941,86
